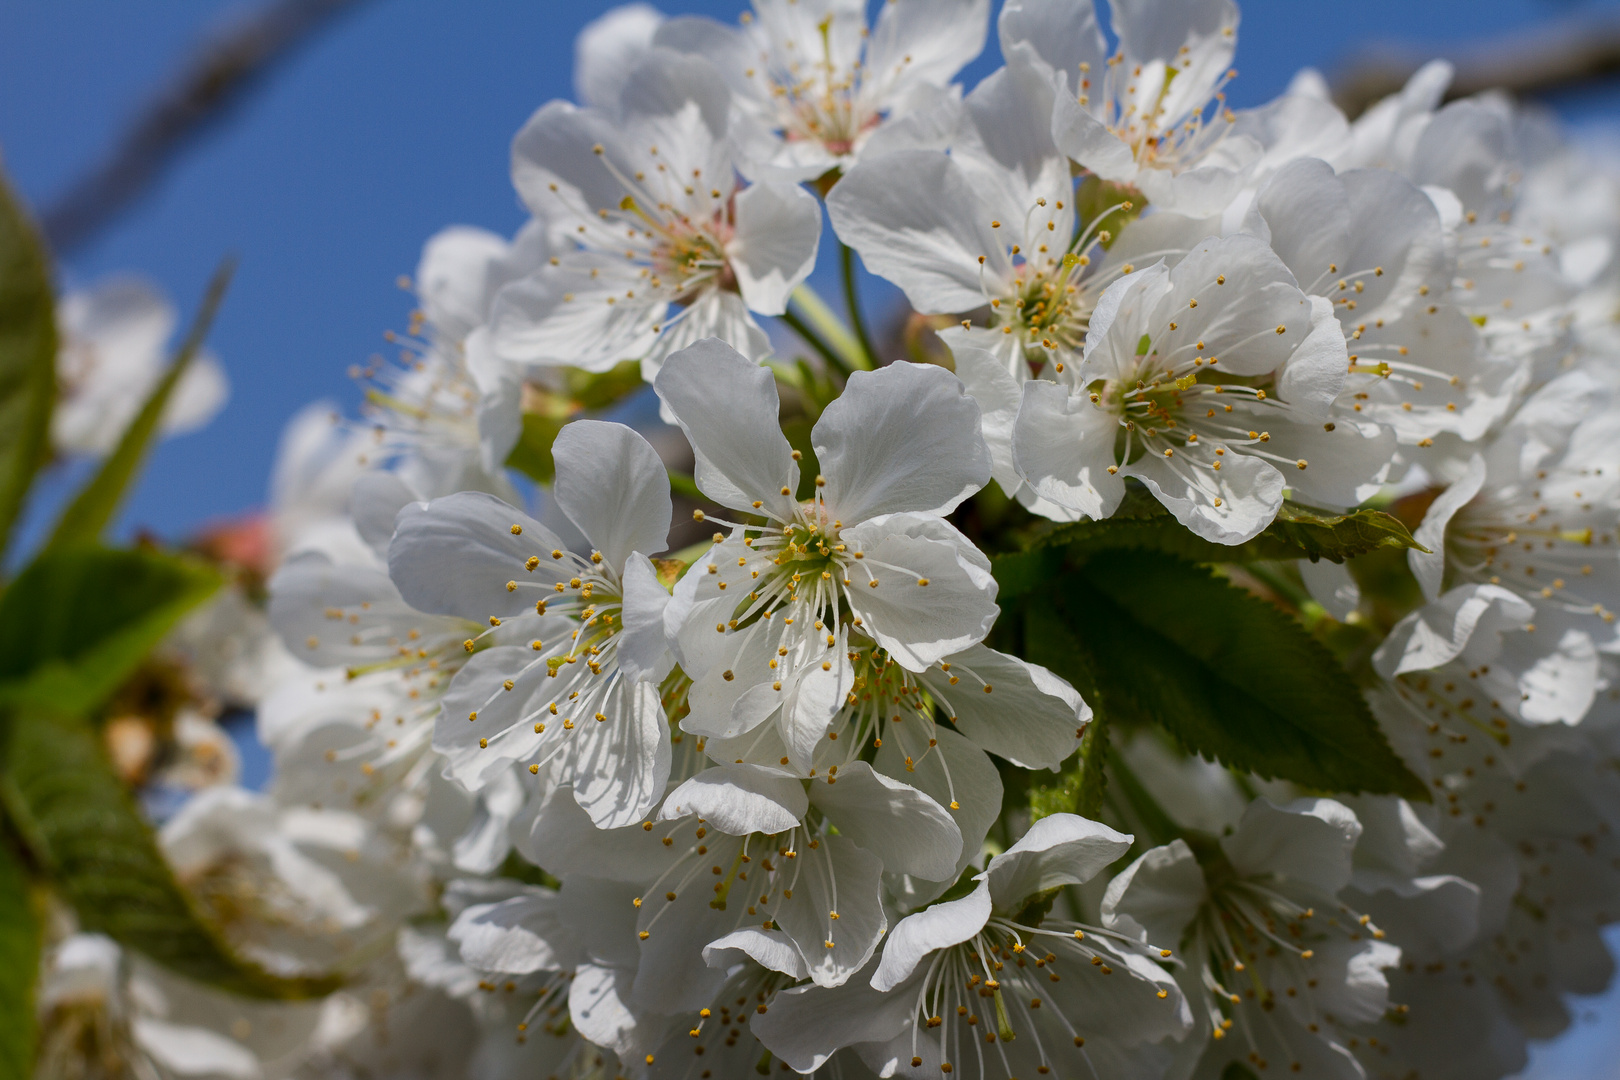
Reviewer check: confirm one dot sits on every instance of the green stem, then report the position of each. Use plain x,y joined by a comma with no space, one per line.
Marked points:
814,340
852,301
1093,760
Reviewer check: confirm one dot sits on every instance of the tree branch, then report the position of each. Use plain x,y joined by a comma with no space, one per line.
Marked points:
1568,54
216,79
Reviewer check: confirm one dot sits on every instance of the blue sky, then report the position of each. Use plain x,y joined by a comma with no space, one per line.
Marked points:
396,123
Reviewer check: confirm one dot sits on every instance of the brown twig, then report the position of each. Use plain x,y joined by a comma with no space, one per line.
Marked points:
1571,53
218,77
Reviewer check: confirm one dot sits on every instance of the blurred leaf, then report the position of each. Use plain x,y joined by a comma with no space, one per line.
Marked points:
599,390
27,358
75,624
94,507
1238,1071
532,454
84,830
19,968
1228,675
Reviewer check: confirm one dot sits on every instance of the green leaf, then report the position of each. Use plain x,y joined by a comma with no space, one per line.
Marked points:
1141,524
19,967
1238,1071
84,830
1322,534
94,507
27,358
532,454
1228,675
75,624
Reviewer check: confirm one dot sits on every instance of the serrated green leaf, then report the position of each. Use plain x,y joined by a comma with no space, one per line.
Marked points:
75,623
84,830
1228,675
1322,534
532,454
27,358
1140,524
19,967
94,507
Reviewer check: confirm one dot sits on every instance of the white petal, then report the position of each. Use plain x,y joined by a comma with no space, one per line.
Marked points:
517,936
1315,373
607,50
453,278
1029,716
919,624
1429,567
201,392
455,555
1060,849
915,219
1331,585
1087,140
901,439
1308,841
611,483
194,1051
728,408
1159,894
1063,446
643,648
377,499
483,847
561,315
957,775
774,248
805,1025
930,40
739,799
998,393
1064,33
1442,629
619,767
764,948
555,833
1235,318
837,876
1250,491
597,1009
907,830
1343,467
938,926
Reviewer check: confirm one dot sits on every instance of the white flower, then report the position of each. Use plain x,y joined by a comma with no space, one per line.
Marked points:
113,352
1149,400
990,985
1275,961
768,618
643,204
799,884
1373,244
105,1012
1142,117
1537,512
813,83
569,680
294,889
986,214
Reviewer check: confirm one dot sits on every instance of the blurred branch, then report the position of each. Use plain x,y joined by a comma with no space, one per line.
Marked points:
1572,53
217,78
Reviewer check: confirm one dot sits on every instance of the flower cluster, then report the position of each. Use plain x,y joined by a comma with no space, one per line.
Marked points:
567,786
